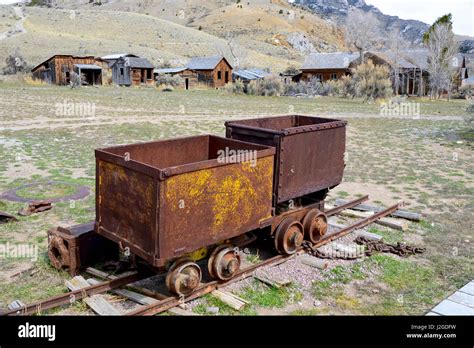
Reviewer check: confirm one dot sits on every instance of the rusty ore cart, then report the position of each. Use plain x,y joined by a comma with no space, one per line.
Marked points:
174,202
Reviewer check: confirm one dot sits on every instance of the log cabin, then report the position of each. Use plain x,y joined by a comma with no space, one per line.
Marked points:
215,72
58,70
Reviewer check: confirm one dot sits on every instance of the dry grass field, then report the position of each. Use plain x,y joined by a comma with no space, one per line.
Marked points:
427,162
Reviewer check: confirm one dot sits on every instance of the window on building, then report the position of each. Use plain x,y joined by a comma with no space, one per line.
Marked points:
319,77
333,76
219,75
121,71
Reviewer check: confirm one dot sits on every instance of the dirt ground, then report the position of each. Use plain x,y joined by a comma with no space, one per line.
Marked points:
426,162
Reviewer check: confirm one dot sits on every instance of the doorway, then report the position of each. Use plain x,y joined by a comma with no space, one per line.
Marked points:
186,82
226,77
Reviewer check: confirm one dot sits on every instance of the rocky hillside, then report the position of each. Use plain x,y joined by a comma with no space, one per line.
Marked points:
337,10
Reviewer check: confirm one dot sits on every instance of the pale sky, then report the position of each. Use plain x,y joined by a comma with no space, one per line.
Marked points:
429,10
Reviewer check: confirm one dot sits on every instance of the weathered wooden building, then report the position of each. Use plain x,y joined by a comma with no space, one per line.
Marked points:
132,71
190,77
215,72
106,63
58,70
328,66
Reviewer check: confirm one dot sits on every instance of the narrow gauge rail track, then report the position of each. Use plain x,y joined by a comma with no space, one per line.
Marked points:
165,303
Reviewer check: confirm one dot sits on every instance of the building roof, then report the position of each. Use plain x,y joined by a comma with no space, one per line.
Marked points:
393,58
417,57
337,60
88,66
118,55
60,55
205,63
251,74
169,70
141,63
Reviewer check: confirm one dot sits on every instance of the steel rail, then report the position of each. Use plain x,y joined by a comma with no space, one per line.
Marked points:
173,301
56,301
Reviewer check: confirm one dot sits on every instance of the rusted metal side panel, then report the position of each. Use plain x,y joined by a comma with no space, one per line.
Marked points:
207,206
126,208
309,151
310,162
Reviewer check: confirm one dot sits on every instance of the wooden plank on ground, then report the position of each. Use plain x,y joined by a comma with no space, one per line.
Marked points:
182,312
368,235
139,289
271,282
131,295
399,213
312,261
468,288
388,222
96,302
462,298
448,307
230,299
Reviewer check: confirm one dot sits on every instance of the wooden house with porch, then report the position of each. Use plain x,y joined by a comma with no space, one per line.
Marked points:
214,72
59,68
132,71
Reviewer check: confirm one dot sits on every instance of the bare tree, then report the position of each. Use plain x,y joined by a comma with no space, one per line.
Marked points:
397,45
362,31
442,49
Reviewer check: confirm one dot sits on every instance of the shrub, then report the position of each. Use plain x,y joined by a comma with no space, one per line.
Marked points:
169,80
253,88
14,63
271,86
372,81
296,88
469,119
466,91
236,88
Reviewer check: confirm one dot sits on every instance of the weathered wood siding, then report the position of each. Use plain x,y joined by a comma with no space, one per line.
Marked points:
225,74
58,69
326,74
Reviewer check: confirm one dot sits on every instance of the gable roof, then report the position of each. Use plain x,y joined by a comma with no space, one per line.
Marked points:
141,63
417,57
60,55
205,63
337,60
392,58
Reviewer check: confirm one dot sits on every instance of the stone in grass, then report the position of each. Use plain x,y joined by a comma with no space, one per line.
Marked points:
316,303
212,310
17,304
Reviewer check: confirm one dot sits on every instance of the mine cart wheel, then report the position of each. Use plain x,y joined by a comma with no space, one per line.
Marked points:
288,236
58,253
183,277
224,262
315,225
